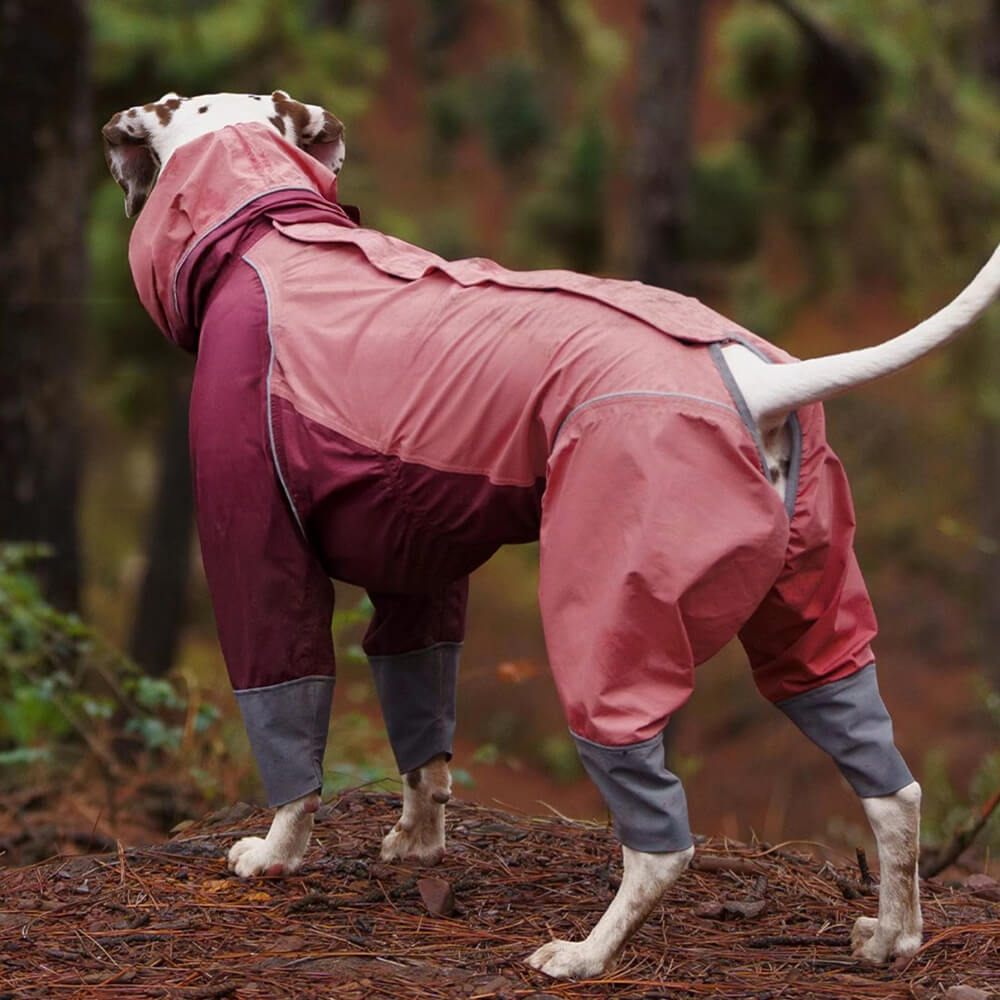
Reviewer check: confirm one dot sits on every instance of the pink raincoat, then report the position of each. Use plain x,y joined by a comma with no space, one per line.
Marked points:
366,411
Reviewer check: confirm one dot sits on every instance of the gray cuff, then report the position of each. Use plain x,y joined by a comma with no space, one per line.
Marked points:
417,693
646,801
848,720
287,725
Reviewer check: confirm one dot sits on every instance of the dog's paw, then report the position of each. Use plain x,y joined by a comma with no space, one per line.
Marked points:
568,960
255,856
870,942
423,843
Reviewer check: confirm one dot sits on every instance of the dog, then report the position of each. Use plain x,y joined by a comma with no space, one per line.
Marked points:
364,410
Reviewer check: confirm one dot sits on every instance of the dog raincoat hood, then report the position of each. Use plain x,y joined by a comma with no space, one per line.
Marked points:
216,178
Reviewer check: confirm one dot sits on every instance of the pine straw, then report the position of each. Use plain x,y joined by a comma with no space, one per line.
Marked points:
169,921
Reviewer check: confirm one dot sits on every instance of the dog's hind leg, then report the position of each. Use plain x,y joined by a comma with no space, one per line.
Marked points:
848,720
895,820
419,834
646,876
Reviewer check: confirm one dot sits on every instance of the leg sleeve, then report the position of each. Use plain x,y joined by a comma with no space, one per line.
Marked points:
413,647
273,601
660,534
809,642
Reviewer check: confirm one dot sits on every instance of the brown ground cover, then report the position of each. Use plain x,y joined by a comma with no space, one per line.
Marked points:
750,921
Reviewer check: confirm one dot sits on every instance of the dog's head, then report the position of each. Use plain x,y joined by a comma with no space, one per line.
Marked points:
139,140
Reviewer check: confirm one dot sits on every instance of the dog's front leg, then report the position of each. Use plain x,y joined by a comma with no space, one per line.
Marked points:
895,820
419,834
645,878
282,850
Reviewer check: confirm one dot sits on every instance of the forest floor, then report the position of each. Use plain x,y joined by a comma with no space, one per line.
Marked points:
749,921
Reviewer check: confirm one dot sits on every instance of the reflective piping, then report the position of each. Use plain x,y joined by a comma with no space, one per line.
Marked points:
270,408
795,460
638,392
284,684
208,232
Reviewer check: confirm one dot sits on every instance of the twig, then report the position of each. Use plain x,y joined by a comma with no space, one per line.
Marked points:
964,836
866,874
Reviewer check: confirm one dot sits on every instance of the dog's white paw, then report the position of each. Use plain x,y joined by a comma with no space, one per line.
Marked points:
875,944
568,960
423,842
255,856
282,850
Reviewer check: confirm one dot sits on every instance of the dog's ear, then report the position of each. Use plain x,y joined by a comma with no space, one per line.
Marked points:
316,130
327,141
131,160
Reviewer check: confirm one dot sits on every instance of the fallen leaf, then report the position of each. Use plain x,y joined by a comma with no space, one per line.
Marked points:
516,671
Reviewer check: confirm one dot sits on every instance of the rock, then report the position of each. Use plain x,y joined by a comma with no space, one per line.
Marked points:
744,909
983,887
732,909
966,993
437,896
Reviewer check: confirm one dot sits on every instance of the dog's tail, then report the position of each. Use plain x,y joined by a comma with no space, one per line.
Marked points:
772,391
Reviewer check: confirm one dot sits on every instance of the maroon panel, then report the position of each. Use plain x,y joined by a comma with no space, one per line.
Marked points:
391,526
273,601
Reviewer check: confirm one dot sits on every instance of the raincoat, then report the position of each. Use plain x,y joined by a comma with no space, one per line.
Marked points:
366,411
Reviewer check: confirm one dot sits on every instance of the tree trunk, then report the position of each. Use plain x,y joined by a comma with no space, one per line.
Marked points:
45,118
668,70
989,424
162,595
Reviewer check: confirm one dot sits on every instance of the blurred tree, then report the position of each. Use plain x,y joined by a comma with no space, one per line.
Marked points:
45,111
989,435
668,70
893,172
159,613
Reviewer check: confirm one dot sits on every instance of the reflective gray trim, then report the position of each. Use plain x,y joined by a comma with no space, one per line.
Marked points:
795,463
208,232
637,392
647,802
287,725
270,409
849,720
417,693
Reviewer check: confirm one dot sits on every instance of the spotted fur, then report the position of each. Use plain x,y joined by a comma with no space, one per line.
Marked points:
140,140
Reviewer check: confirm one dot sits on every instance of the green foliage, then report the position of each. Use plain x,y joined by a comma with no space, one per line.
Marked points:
562,223
513,113
449,114
61,684
727,199
358,754
764,58
249,45
947,808
560,758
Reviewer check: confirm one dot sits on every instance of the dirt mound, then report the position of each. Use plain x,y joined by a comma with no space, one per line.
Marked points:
747,922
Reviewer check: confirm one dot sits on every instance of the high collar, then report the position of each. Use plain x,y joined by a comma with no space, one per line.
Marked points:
206,184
